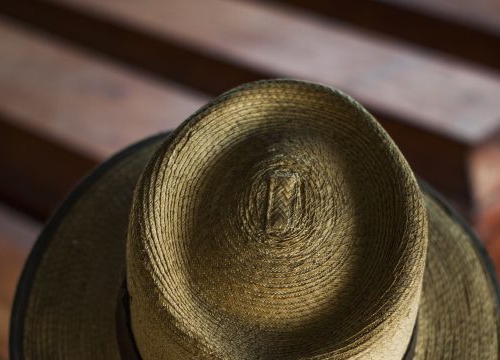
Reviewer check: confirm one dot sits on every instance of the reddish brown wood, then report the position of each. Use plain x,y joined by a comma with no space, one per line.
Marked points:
487,225
464,28
17,235
420,89
214,44
62,111
484,164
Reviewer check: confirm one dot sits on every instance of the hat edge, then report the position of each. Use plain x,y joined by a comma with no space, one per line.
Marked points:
25,281
43,240
478,244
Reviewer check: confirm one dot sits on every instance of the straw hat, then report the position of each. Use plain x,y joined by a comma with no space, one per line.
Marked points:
280,221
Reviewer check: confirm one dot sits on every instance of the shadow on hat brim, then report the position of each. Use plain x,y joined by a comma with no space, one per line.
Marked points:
65,301
133,158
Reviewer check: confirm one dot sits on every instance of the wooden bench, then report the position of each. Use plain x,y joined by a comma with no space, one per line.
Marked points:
212,45
63,111
467,29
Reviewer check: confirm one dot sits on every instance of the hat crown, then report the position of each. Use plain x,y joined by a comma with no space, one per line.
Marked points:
279,221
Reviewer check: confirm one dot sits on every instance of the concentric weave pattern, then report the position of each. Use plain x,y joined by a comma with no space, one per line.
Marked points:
253,233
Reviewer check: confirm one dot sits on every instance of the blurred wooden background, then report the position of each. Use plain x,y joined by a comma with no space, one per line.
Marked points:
81,79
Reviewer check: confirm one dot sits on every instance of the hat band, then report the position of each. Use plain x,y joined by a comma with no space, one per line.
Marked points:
128,348
126,343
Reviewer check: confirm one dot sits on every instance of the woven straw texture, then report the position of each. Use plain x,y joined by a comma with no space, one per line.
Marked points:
458,314
279,222
71,307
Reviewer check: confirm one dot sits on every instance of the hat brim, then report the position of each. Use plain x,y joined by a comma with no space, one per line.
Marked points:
66,298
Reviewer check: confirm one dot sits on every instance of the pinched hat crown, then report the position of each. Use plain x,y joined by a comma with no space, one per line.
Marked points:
278,222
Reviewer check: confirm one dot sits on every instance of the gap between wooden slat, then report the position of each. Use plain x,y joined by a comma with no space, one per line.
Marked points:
17,236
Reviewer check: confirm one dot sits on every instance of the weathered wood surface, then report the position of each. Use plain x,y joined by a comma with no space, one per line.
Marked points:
256,40
212,45
62,111
463,28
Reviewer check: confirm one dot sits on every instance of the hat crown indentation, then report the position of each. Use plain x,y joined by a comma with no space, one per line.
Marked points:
283,202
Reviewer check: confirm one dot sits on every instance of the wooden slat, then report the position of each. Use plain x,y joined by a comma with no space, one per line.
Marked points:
271,41
485,174
469,29
17,235
62,111
215,44
487,225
